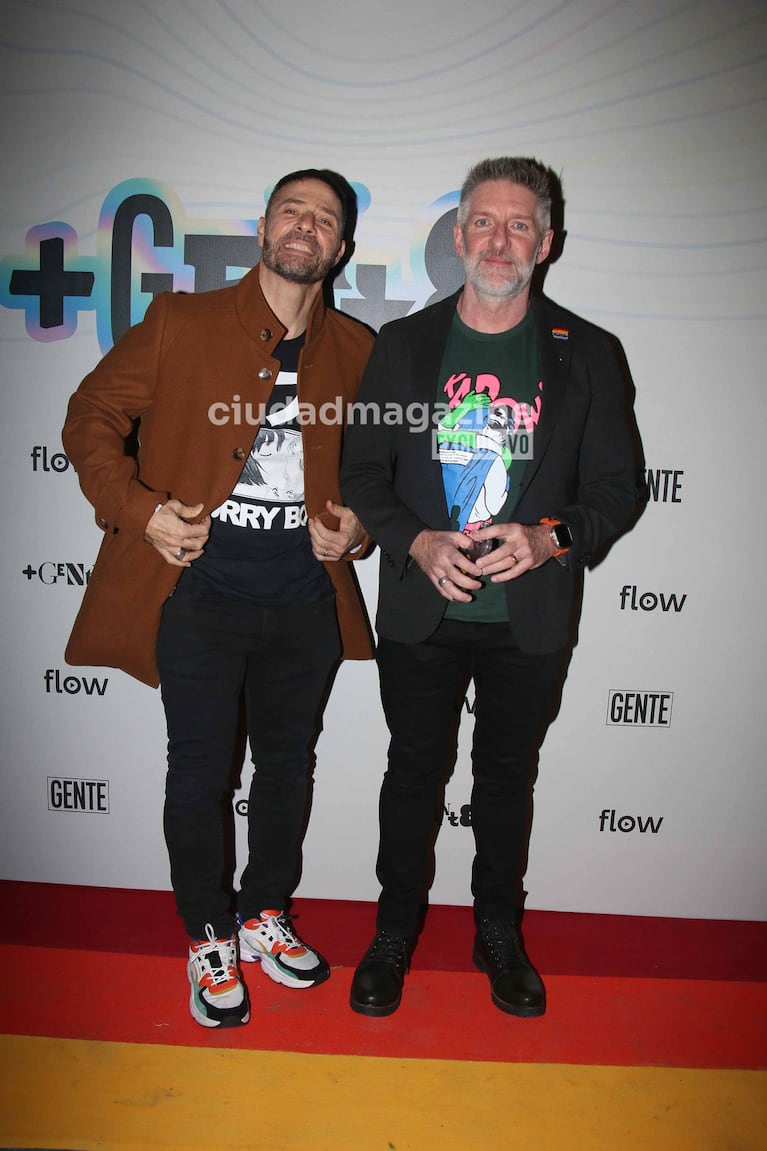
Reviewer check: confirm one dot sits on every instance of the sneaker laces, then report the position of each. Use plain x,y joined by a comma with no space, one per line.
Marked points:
285,924
275,927
216,959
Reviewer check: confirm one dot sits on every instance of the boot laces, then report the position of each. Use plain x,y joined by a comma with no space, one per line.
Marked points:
502,942
389,948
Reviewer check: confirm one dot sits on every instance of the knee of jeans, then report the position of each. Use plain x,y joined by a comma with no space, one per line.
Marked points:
407,782
192,784
279,783
499,774
187,803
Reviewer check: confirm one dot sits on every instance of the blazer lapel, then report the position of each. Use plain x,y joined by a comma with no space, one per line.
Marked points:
428,352
426,360
554,355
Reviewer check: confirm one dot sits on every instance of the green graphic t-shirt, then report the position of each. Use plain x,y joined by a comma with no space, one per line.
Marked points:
491,388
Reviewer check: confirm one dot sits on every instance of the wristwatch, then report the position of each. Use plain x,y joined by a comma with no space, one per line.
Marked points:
561,536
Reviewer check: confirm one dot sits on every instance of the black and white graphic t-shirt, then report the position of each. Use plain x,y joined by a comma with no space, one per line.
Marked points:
259,547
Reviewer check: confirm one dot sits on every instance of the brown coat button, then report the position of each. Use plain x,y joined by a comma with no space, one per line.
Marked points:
266,333
265,374
238,454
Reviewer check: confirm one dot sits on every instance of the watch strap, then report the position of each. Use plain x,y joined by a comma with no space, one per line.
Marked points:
552,523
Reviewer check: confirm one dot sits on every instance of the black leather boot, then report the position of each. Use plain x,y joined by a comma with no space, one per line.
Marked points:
377,984
516,987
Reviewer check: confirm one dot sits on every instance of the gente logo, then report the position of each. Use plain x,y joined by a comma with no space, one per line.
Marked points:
640,708
51,572
88,795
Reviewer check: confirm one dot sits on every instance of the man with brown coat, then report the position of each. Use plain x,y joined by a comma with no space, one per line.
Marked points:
219,574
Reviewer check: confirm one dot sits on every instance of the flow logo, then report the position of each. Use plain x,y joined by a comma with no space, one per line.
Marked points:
634,600
640,708
57,684
90,795
49,572
628,823
44,460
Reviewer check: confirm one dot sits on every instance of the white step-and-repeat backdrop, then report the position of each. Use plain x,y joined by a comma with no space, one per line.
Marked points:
139,142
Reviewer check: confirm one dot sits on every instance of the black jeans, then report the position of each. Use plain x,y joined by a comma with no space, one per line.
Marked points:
212,655
516,696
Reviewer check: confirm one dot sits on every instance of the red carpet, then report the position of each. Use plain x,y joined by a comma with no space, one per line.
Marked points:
563,943
654,1037
622,990
444,1015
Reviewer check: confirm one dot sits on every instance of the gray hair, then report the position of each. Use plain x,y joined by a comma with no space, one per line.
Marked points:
521,170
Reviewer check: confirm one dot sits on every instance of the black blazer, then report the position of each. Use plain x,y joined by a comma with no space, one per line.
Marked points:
582,471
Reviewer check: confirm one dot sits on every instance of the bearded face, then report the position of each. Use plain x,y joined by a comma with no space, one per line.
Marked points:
297,258
301,233
500,240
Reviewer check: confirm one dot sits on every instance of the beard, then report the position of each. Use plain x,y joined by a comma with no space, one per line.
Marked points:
492,286
297,269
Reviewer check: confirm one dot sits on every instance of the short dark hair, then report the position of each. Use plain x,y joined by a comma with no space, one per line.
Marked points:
334,180
521,170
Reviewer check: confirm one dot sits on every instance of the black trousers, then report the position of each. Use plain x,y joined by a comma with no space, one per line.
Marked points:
516,696
213,654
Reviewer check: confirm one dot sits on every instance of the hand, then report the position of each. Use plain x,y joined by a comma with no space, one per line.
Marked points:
439,556
330,544
522,548
170,531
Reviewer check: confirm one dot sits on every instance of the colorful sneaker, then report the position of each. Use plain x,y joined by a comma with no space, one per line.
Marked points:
218,996
271,941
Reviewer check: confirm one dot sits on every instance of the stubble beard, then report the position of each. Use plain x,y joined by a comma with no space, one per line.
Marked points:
297,269
492,287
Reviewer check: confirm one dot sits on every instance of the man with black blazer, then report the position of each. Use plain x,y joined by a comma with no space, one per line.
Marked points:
486,514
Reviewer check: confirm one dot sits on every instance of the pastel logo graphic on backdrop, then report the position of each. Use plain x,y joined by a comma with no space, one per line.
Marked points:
146,244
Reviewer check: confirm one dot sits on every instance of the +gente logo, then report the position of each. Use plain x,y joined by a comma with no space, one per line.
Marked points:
147,244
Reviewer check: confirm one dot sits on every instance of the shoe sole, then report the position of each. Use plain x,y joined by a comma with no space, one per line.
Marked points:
278,974
229,1020
232,1021
206,1021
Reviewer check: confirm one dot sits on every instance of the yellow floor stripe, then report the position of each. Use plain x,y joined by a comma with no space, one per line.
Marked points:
90,1096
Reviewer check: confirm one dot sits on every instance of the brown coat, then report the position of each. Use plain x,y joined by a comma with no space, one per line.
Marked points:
191,352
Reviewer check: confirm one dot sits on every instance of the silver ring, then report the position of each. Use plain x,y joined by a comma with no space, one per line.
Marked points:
180,554
442,581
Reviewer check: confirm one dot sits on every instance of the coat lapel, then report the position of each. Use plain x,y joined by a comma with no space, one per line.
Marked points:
554,355
427,359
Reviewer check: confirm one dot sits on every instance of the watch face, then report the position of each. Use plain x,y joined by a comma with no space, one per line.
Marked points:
562,535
